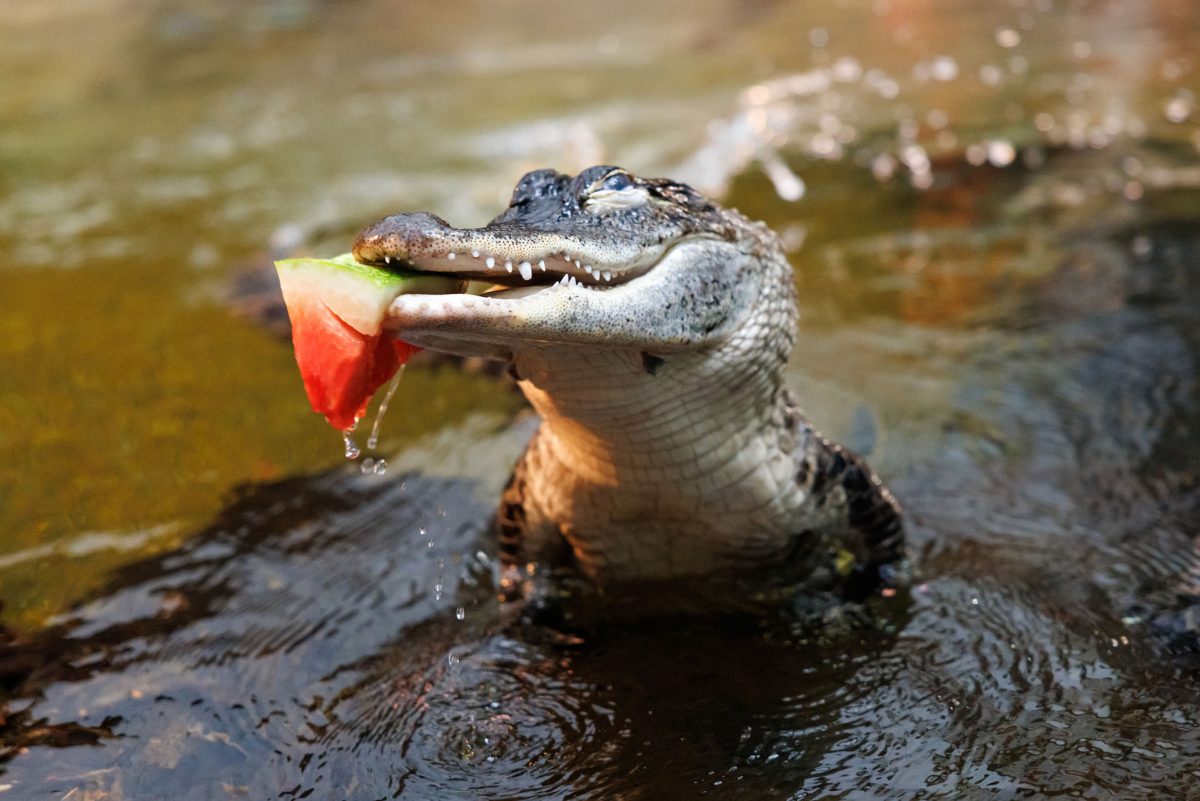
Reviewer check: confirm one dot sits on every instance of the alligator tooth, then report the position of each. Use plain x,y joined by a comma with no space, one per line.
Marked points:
587,268
542,265
475,253
607,275
577,264
526,270
450,255
490,262
508,266
387,259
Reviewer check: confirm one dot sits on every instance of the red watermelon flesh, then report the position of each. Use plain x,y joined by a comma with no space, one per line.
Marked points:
337,309
342,367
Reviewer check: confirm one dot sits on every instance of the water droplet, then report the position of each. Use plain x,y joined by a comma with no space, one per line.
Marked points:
375,467
352,449
460,614
1142,247
944,68
788,185
1000,153
883,167
1007,37
1180,107
846,70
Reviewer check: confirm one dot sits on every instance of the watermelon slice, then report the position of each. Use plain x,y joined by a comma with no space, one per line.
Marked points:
337,307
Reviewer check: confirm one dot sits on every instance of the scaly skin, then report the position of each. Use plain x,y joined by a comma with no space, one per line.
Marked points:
654,353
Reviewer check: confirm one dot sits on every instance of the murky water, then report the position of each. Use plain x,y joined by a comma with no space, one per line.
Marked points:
994,214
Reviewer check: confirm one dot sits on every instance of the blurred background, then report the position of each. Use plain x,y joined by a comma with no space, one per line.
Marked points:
993,208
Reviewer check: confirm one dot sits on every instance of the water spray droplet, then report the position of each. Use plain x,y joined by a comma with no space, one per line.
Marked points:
1180,107
944,68
1001,152
1142,247
1007,37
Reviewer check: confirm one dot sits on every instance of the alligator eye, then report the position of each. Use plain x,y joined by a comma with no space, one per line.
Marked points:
617,182
616,191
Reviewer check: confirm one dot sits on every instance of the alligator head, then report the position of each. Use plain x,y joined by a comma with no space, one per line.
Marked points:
601,258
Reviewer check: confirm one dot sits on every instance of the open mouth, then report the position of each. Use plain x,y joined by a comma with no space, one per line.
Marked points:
506,257
477,265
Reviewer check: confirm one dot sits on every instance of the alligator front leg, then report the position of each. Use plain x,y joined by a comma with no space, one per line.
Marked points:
864,518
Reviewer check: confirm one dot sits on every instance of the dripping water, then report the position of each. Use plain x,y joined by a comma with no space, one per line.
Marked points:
372,465
373,439
352,449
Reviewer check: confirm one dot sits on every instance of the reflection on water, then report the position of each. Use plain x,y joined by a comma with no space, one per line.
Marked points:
991,208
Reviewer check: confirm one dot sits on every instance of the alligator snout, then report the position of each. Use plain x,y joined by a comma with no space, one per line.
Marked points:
403,237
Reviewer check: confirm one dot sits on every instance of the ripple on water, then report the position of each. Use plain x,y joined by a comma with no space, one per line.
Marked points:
991,690
499,713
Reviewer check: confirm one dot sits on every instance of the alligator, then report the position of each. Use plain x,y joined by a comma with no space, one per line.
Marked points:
649,328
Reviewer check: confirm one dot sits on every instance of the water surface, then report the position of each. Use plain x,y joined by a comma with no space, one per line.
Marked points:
992,209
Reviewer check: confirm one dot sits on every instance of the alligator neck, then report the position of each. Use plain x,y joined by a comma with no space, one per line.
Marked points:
611,413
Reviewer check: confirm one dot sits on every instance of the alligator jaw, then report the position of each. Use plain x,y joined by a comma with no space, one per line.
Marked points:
511,255
695,272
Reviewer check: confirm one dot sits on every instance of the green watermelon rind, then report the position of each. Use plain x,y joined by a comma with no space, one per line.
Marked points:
359,294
